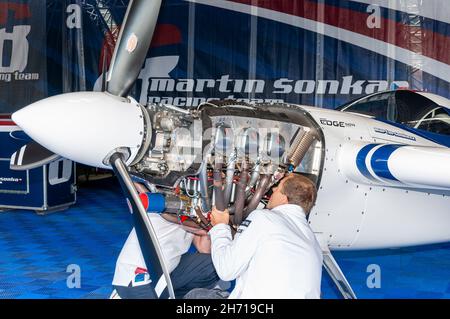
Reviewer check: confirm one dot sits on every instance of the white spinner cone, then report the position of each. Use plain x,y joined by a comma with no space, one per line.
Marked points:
84,126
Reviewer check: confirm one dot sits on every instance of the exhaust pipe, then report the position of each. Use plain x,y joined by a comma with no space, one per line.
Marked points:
229,178
218,191
264,182
240,194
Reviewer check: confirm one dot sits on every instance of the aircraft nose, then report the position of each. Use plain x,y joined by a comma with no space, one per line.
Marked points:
18,117
84,126
32,120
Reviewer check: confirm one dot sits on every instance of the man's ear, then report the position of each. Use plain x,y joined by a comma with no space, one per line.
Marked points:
285,199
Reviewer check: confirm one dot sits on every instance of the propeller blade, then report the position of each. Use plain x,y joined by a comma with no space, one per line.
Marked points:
148,241
104,69
131,49
30,156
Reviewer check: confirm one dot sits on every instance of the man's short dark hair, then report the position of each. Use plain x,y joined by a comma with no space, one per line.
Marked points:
300,190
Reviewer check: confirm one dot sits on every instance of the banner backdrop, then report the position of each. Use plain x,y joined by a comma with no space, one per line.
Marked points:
22,53
313,52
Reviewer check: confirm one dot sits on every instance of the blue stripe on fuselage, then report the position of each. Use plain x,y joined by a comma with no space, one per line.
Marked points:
361,161
380,158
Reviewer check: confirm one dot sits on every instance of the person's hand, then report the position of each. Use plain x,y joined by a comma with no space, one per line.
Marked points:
219,217
202,243
195,231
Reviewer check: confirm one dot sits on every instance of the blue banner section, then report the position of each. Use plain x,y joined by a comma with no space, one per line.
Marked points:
22,53
46,48
281,54
311,52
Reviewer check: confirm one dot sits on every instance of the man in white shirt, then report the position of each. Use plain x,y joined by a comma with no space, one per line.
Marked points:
274,253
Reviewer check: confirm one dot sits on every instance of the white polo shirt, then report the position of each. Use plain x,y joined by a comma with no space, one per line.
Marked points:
274,254
130,266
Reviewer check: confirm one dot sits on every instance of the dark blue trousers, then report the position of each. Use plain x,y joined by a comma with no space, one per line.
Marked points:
195,270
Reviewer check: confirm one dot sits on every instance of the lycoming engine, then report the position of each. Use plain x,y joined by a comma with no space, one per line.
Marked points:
229,156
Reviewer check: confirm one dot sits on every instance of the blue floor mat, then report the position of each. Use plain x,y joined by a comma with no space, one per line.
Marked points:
38,254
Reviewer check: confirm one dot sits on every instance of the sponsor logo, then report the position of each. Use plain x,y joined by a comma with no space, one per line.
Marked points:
336,123
245,223
14,45
10,180
141,277
396,134
156,80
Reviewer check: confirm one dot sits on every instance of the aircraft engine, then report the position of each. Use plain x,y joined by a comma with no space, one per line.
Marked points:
228,157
